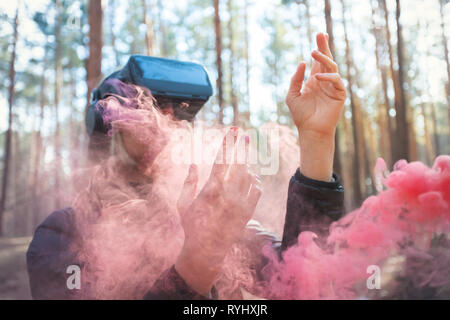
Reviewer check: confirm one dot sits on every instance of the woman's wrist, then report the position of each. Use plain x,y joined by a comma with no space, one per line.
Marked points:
197,270
316,155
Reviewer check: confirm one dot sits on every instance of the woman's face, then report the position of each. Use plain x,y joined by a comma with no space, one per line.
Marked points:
133,146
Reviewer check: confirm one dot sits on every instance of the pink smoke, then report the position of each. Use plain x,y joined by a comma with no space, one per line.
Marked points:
397,225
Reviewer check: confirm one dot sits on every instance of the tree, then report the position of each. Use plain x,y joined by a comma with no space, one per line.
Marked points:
356,120
247,64
164,50
11,93
94,61
233,96
276,63
111,21
58,85
402,133
149,31
446,54
329,25
384,123
219,83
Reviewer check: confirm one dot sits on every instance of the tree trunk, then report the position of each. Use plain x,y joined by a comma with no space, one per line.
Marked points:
356,182
429,153
36,208
233,97
149,31
384,121
403,133
329,26
112,10
94,62
337,166
308,24
162,31
11,92
446,56
394,76
58,86
247,62
219,84
437,148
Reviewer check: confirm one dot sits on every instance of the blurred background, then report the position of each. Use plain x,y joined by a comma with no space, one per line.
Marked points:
393,55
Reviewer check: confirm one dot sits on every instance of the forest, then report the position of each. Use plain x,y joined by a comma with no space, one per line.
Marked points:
392,54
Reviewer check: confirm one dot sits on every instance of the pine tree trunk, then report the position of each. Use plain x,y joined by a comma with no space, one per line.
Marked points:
437,148
112,10
219,83
337,166
394,76
247,62
162,31
308,24
233,97
94,62
8,138
149,31
446,56
58,85
429,153
403,133
384,122
356,180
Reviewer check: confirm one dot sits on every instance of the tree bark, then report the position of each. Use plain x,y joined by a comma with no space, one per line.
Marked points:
94,62
446,56
58,86
233,97
112,10
11,93
162,31
356,182
337,166
403,133
219,83
429,153
384,123
308,24
246,56
149,31
394,77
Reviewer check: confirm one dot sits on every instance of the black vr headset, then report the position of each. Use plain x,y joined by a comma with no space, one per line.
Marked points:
182,86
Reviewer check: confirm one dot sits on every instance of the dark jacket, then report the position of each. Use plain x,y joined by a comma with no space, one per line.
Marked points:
311,206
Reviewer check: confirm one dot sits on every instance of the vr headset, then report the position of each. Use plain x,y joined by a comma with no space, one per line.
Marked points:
182,86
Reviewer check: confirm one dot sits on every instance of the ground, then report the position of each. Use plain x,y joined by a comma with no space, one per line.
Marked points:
13,268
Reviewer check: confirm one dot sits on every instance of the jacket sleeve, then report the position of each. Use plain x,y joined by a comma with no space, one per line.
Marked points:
311,206
171,286
50,253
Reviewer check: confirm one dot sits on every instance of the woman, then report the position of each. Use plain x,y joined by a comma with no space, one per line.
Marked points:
129,238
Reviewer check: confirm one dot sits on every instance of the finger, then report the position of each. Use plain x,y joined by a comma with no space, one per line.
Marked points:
225,154
325,61
322,45
297,81
189,189
333,78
